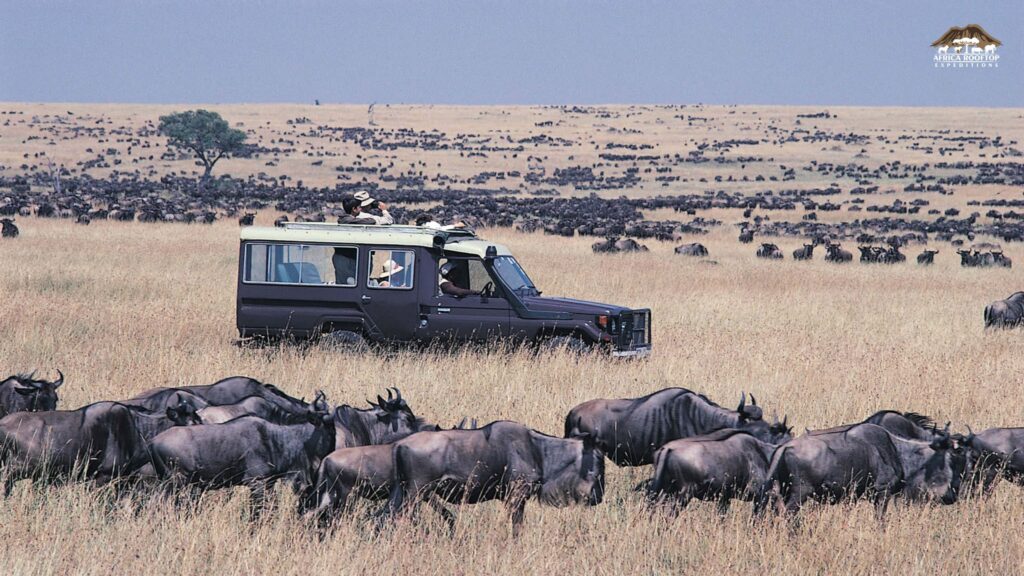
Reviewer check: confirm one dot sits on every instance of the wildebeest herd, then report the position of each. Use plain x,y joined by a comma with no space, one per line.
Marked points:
183,441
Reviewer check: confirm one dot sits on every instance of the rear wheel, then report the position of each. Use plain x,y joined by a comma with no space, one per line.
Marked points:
344,340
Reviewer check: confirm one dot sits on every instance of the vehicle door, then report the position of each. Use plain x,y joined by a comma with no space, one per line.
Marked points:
474,317
389,300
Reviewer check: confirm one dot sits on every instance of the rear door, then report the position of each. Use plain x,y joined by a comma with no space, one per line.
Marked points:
389,292
476,317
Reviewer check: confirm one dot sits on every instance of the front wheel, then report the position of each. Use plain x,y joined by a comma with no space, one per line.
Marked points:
570,343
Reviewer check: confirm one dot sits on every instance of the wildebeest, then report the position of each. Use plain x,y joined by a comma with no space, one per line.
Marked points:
1006,313
281,221
365,471
976,259
999,259
247,219
614,245
835,253
746,236
927,258
769,251
870,254
503,460
606,245
892,255
247,451
997,452
630,430
225,391
862,460
695,249
805,253
99,442
719,467
260,407
384,422
24,393
910,425
10,230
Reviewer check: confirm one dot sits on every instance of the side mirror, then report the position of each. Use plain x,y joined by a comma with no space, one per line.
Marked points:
491,253
439,241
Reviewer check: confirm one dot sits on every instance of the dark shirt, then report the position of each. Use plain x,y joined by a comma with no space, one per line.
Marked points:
350,219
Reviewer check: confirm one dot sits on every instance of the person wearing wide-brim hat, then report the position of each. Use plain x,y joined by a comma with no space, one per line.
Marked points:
366,203
387,271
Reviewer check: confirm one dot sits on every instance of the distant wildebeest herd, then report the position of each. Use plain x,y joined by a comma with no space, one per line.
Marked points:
834,252
183,441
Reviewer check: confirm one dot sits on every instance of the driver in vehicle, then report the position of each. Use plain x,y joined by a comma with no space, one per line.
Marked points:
448,284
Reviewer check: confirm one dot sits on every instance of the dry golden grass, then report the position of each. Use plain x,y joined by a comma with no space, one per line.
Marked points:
124,307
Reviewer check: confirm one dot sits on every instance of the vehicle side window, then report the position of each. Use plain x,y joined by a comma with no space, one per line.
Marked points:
391,269
300,264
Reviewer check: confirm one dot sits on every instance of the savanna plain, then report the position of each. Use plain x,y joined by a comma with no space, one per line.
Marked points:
123,307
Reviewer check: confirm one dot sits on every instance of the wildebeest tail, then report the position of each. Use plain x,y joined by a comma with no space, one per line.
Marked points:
657,481
764,493
989,316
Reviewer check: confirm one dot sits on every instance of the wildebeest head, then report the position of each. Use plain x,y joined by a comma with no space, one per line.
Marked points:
576,477
37,395
386,421
749,411
319,403
945,470
395,412
184,413
780,432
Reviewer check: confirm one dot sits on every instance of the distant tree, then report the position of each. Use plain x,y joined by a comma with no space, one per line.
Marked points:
205,133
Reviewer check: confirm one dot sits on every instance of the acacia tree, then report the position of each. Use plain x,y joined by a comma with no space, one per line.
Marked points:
204,133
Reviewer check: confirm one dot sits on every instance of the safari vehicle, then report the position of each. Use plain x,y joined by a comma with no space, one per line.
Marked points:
355,284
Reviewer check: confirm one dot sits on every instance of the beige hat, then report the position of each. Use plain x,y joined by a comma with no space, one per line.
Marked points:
388,269
364,198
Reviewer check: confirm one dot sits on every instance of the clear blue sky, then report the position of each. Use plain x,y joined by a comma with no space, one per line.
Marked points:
853,52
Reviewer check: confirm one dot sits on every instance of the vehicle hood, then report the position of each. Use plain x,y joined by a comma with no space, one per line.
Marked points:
573,306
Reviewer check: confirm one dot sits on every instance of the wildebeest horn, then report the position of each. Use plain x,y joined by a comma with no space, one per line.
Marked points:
398,394
380,402
753,401
785,419
743,402
60,379
370,402
389,394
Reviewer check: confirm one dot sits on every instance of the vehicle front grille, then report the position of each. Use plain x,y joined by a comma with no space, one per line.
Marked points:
635,332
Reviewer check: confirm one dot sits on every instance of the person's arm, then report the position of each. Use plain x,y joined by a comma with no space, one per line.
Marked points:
451,289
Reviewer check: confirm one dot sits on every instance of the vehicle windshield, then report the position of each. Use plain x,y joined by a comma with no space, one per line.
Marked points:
513,276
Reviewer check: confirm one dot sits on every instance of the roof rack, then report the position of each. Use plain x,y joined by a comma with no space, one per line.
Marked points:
392,229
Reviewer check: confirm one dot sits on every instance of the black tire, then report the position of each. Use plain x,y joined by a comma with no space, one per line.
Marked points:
570,343
344,340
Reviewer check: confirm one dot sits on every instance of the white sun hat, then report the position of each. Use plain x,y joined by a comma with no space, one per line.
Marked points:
364,198
389,268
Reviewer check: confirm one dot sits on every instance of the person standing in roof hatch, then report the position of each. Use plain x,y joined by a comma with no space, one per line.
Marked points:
367,203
